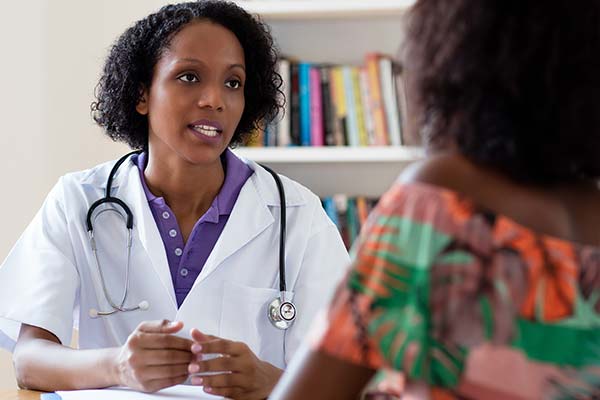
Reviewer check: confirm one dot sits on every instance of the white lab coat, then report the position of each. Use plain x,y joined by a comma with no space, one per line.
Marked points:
50,278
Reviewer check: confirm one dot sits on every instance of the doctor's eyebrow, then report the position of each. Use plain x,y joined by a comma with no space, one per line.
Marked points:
196,61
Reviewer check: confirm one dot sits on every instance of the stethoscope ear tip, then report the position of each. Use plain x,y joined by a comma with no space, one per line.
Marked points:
144,305
93,313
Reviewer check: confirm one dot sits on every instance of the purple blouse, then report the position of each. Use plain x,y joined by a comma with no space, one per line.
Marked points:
186,261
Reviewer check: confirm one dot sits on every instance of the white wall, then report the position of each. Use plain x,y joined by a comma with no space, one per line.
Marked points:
51,56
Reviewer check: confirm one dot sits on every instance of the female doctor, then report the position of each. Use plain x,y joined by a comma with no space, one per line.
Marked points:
183,85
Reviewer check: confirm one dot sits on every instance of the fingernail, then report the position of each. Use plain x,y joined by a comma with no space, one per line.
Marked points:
196,381
172,324
194,368
196,348
207,389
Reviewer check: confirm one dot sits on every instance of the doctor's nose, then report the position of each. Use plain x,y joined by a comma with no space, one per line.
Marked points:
211,97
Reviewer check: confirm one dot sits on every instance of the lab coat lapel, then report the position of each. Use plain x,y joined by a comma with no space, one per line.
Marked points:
132,192
250,216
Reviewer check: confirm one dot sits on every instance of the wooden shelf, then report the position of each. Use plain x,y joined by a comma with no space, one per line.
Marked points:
355,171
331,154
301,9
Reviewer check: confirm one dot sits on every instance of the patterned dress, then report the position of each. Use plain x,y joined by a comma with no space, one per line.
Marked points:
466,303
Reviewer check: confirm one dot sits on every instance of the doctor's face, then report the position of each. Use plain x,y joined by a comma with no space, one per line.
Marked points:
196,97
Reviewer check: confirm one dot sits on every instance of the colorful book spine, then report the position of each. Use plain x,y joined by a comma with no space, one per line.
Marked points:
348,214
270,135
389,101
410,131
328,106
304,100
352,220
362,210
295,106
377,107
351,120
331,210
317,136
283,126
339,99
341,206
365,101
363,139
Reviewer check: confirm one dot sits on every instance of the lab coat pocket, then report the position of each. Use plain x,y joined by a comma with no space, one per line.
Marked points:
244,319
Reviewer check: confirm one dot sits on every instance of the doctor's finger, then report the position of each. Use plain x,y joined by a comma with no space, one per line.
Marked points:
167,357
154,372
221,380
160,341
162,326
157,384
218,364
227,392
221,346
201,337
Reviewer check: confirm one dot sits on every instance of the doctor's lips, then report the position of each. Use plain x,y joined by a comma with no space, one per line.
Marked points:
206,127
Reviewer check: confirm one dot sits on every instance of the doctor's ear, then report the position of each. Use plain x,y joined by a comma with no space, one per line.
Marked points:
142,104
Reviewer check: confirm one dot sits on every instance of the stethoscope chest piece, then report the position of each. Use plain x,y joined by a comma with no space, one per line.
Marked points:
281,314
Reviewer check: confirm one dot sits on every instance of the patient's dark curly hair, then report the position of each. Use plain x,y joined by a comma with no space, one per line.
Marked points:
130,63
514,84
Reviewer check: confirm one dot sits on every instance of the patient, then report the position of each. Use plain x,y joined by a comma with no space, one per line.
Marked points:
478,274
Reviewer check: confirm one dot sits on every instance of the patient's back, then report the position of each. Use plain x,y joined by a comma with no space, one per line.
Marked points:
475,285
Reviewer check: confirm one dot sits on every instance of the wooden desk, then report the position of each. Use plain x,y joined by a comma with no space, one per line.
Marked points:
16,394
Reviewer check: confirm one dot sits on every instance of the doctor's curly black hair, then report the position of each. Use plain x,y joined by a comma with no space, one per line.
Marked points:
130,63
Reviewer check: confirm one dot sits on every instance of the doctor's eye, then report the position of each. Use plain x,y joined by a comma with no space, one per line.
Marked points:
234,83
188,78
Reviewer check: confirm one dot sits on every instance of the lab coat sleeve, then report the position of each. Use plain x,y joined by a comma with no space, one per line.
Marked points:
38,279
323,266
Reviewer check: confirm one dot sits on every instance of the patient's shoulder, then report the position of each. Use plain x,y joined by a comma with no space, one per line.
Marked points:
449,170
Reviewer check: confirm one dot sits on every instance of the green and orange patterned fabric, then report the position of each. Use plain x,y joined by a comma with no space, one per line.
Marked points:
468,303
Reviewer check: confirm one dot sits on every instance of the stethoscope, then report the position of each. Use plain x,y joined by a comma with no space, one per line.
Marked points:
280,312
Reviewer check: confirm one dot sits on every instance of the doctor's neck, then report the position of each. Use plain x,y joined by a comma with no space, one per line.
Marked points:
189,188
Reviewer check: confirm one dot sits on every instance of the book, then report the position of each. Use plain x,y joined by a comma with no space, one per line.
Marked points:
351,120
352,221
363,139
304,100
270,135
317,137
377,108
283,124
294,105
331,210
328,106
341,206
365,97
410,130
339,100
389,101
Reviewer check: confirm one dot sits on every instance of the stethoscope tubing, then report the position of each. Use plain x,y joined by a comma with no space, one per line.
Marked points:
282,229
275,314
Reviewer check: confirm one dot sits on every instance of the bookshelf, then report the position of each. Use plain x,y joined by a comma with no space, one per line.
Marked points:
335,31
355,171
302,9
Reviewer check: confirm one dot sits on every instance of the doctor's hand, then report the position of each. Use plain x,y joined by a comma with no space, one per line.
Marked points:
244,376
153,358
